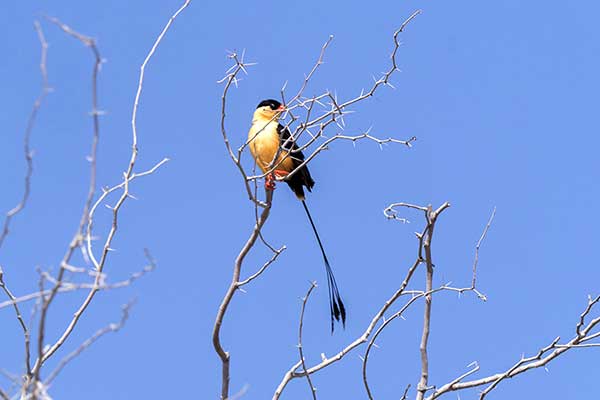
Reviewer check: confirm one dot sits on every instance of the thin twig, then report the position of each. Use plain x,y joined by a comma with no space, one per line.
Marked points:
481,239
541,359
235,284
313,390
27,136
113,327
26,334
78,236
95,113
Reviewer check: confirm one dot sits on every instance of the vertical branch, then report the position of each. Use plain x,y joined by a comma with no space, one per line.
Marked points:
27,136
235,284
77,239
313,390
481,238
29,160
95,113
26,333
431,219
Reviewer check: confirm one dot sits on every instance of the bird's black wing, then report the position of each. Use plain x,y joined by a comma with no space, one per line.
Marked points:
302,177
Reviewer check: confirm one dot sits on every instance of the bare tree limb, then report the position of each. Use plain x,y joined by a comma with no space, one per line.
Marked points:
294,373
111,328
95,113
542,358
476,258
27,136
422,386
313,390
78,237
235,284
26,333
263,268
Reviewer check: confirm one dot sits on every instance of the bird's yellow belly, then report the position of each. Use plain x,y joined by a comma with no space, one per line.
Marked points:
264,147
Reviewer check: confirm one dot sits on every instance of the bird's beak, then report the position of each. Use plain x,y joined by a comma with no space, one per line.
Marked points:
281,108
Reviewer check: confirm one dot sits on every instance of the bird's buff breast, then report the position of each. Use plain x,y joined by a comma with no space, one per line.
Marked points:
264,144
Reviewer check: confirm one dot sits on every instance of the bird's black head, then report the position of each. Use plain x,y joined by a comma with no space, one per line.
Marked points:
273,104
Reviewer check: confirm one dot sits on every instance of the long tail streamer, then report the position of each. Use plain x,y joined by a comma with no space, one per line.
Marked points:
336,306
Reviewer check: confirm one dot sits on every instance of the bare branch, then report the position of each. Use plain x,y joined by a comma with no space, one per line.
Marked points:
26,333
481,239
77,238
113,327
235,284
263,268
542,358
71,287
422,386
313,390
293,373
27,136
95,113
312,71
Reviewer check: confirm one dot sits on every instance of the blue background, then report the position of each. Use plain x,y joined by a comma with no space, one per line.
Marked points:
502,96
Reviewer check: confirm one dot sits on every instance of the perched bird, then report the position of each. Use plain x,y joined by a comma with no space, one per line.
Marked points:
275,152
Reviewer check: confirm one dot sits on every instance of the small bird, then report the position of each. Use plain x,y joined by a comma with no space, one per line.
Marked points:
273,148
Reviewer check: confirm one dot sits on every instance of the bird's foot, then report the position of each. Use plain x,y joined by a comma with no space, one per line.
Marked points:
279,173
272,177
270,182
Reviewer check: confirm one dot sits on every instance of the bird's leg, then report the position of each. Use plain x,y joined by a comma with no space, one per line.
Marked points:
272,177
279,173
270,182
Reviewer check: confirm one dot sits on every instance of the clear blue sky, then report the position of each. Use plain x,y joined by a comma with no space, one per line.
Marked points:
502,97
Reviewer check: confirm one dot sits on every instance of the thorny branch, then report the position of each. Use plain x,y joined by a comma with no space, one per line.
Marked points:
431,218
379,316
476,258
111,328
95,113
78,237
425,239
423,257
27,187
27,136
235,284
26,333
543,357
313,390
71,286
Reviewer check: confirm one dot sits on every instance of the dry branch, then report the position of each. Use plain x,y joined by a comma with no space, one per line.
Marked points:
540,359
27,136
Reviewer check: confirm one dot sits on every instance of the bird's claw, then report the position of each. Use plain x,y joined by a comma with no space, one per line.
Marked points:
280,173
272,177
270,182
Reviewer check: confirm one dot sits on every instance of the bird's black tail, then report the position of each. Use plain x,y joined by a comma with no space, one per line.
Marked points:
336,307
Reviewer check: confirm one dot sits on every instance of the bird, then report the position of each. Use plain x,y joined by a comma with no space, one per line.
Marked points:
277,154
